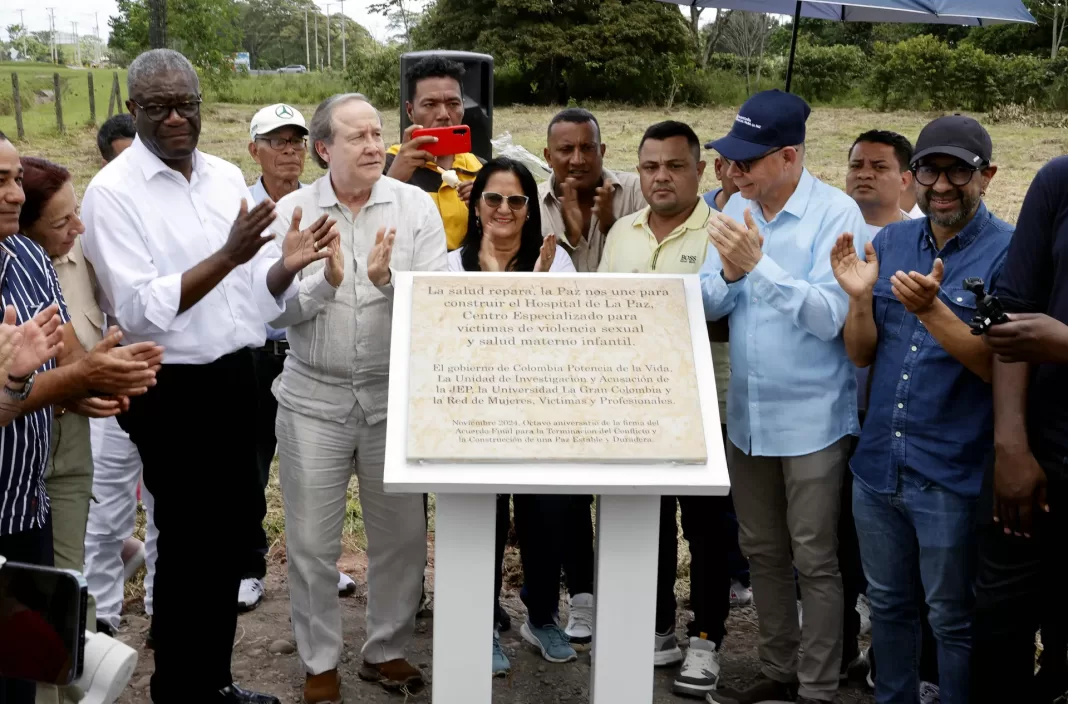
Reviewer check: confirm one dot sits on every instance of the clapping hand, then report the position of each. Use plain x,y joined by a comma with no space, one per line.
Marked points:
916,291
547,254
302,247
571,211
99,407
42,339
738,246
10,340
131,371
856,276
378,260
602,206
246,234
335,265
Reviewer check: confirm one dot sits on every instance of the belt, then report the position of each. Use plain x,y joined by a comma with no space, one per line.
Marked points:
276,347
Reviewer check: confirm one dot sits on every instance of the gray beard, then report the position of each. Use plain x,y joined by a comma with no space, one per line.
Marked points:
968,207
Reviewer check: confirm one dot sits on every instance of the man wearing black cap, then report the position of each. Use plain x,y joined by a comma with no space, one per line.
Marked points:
792,400
1021,573
919,465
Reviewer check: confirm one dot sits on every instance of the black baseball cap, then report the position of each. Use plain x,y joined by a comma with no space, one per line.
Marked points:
956,135
769,120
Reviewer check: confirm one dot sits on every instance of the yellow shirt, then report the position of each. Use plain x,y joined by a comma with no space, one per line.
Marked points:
632,248
452,209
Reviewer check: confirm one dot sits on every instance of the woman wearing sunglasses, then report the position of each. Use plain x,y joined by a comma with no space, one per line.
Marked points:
504,235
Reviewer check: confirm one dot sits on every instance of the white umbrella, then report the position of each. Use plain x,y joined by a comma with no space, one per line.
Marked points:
960,12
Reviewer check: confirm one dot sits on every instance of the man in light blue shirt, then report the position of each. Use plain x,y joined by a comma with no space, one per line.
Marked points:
792,401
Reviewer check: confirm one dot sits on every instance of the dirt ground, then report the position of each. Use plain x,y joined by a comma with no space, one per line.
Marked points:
533,681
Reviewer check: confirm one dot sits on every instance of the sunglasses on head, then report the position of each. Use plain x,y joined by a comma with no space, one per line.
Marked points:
494,200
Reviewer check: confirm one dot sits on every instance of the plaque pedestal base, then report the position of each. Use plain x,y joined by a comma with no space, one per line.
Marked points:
624,620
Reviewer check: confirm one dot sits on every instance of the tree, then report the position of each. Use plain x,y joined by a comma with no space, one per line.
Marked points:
157,23
568,49
1056,11
705,39
400,15
746,36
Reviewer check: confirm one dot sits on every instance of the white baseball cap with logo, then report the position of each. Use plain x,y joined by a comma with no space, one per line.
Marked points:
274,116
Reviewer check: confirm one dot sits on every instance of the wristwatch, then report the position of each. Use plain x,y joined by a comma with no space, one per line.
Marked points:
26,387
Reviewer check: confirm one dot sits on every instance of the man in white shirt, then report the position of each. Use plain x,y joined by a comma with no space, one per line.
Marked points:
332,399
278,143
181,259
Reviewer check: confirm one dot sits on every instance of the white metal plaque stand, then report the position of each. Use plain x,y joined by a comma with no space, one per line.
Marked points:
628,513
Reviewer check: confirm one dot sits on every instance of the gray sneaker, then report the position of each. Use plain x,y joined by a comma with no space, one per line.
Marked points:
700,670
666,650
550,640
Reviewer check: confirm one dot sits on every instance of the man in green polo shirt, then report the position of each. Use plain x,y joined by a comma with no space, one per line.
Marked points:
670,235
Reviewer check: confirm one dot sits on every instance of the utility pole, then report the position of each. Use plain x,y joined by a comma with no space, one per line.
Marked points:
98,41
157,24
52,32
307,51
329,64
77,44
318,66
22,25
344,64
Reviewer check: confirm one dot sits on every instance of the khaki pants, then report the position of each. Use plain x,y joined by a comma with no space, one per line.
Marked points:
69,483
789,506
315,463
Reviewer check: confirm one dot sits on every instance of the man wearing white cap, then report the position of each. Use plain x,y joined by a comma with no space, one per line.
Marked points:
278,143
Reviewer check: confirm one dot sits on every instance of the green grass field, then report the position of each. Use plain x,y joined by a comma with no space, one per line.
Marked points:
39,118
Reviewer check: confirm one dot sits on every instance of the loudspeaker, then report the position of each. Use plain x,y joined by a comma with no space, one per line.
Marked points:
478,94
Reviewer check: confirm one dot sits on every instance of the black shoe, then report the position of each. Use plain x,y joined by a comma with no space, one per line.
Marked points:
504,621
766,690
102,627
235,695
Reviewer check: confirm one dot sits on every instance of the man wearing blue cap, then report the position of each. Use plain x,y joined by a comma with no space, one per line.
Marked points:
792,401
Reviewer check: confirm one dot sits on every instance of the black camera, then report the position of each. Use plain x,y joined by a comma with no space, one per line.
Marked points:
989,310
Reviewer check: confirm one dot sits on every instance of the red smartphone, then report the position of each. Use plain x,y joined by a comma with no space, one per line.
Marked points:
451,140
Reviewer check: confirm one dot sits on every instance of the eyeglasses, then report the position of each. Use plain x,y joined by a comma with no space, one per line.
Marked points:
159,113
959,174
279,143
747,164
494,200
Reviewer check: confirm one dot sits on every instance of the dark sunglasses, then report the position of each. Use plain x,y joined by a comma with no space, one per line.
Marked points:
746,165
494,200
959,174
159,113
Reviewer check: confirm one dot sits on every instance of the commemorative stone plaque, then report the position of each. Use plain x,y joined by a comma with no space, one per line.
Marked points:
552,369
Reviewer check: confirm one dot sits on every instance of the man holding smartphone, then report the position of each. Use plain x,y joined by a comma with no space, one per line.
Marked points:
436,99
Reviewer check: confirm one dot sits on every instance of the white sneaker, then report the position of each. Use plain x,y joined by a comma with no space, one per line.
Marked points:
250,594
741,595
864,609
346,585
108,666
700,670
666,650
580,621
928,693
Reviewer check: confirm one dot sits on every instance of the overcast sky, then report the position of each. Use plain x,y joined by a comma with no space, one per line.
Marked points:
87,12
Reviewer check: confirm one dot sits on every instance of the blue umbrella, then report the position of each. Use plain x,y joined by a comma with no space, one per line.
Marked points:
960,12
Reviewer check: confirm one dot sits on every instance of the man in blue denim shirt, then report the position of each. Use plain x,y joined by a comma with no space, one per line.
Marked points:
792,399
919,464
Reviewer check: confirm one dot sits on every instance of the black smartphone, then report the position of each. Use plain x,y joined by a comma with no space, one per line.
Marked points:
42,623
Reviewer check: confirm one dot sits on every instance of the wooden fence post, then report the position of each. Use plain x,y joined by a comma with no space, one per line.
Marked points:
58,95
92,101
17,96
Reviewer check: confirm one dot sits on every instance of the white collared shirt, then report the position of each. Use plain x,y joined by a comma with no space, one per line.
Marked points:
146,225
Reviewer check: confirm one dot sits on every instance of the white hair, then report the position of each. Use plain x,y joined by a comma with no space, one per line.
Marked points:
152,63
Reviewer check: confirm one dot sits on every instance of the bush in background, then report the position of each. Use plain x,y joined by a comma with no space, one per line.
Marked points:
376,74
827,73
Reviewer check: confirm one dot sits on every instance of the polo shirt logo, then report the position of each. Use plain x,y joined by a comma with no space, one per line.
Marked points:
688,259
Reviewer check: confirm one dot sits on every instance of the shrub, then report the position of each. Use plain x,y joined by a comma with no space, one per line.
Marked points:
1023,79
376,74
825,73
975,81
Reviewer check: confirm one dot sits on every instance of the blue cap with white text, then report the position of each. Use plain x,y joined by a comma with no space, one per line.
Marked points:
769,120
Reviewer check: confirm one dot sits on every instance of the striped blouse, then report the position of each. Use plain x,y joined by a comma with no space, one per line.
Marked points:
28,282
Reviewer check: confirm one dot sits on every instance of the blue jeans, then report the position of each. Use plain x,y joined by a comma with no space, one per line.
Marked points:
918,542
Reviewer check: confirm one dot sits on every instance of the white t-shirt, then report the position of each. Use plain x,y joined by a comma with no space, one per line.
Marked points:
561,262
916,213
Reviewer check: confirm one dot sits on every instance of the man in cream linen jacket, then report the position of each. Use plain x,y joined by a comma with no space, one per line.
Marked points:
332,397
